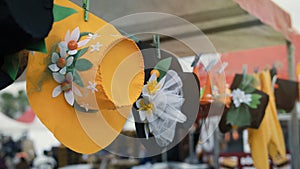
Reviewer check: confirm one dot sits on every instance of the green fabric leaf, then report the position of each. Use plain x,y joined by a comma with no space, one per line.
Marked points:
232,115
202,91
244,118
83,64
81,52
249,89
61,12
248,83
39,47
163,66
11,65
255,101
84,34
239,116
77,79
82,109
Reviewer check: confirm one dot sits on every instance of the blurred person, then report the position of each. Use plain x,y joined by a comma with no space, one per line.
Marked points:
44,161
23,164
2,161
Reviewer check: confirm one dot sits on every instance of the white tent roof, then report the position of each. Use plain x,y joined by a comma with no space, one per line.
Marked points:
291,7
41,136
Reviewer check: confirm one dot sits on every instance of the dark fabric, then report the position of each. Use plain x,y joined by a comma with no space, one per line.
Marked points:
6,80
23,22
286,94
257,115
190,89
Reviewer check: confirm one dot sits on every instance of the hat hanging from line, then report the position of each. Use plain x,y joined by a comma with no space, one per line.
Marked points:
248,105
286,92
83,88
27,23
169,102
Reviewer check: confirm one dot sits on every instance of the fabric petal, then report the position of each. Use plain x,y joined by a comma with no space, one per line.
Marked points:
138,103
75,34
142,115
76,91
146,131
69,96
70,60
63,46
83,42
145,90
67,37
59,78
151,117
69,77
151,128
54,57
152,77
53,67
63,52
63,70
56,91
72,52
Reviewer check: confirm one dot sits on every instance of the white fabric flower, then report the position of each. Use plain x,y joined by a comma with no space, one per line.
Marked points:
93,36
60,61
66,86
92,87
96,47
86,106
71,41
161,105
239,97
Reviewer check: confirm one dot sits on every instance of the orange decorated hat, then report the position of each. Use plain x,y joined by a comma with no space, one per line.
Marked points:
84,87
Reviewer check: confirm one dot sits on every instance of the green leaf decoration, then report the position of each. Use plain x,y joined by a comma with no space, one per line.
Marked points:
249,89
81,52
83,64
77,79
39,47
239,116
81,109
84,34
255,101
202,92
163,66
11,65
61,12
248,83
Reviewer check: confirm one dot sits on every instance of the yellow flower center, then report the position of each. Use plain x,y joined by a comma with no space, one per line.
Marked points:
146,107
152,87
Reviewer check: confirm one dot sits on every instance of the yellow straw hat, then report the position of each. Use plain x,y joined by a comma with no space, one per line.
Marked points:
83,89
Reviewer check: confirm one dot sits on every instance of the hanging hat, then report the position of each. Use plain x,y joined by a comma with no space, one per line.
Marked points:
248,105
84,87
26,22
168,105
286,92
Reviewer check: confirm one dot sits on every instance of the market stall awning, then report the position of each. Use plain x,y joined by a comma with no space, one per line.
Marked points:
281,15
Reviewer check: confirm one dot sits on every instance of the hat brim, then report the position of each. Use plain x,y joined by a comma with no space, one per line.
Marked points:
68,125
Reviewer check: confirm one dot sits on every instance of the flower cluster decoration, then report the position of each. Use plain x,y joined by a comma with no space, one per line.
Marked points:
160,105
244,99
66,63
